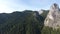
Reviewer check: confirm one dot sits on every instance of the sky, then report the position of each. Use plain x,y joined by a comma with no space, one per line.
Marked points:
8,6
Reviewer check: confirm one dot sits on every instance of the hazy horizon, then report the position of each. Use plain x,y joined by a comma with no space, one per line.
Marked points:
8,6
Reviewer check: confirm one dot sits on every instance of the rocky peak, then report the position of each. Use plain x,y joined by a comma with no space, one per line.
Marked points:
55,6
53,17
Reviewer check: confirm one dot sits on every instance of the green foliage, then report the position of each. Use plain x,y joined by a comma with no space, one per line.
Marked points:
49,30
26,22
44,14
21,23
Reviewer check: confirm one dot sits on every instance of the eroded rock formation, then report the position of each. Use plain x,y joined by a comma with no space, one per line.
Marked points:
53,17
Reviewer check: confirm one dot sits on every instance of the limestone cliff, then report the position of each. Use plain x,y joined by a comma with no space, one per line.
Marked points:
53,17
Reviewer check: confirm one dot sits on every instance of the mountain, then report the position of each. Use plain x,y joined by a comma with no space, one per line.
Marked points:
31,22
25,22
53,17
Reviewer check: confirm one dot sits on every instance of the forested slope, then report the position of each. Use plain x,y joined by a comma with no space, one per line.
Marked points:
26,22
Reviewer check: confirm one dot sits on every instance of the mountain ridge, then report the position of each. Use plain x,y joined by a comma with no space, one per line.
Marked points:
30,22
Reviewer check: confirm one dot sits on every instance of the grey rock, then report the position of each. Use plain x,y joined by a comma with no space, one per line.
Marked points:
53,17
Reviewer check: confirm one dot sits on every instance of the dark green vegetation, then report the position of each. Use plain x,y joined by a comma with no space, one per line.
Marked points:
48,30
26,22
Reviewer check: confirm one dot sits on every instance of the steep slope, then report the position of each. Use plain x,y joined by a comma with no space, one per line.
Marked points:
53,17
26,22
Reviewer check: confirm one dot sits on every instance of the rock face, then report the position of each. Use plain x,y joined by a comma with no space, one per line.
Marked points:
53,17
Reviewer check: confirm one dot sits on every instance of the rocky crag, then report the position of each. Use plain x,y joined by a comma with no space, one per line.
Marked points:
53,17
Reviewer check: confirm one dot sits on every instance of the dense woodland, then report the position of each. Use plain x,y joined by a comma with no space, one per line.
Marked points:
25,22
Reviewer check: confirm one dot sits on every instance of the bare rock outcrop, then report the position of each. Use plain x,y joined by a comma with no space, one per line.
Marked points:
53,17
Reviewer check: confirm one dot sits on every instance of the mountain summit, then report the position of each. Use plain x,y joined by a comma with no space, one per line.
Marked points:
53,17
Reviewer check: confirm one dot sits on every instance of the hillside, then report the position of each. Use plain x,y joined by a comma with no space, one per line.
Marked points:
29,22
25,22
